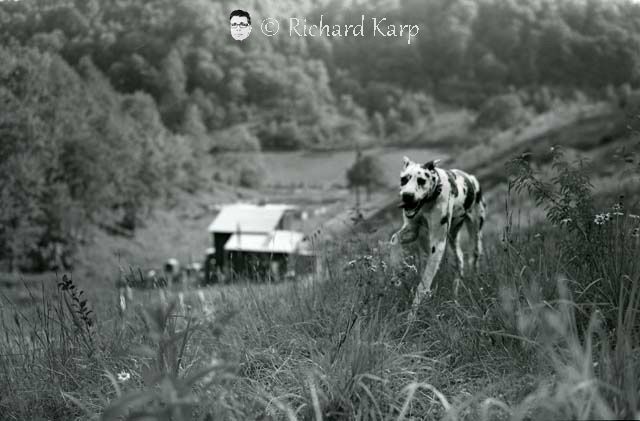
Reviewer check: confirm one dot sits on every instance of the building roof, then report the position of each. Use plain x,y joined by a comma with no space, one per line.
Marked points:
248,218
288,242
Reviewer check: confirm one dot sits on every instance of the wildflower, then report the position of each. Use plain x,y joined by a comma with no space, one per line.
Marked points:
632,216
599,219
617,208
411,267
123,376
123,303
607,217
397,283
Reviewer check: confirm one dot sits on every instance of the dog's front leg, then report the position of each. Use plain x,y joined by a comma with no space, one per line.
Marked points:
437,242
407,234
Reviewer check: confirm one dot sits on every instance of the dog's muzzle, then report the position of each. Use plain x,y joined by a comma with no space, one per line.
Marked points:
411,209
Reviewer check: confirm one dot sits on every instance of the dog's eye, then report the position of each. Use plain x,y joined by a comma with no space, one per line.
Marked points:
421,181
404,180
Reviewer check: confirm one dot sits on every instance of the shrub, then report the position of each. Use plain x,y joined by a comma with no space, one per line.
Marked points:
284,136
501,112
236,139
542,99
600,246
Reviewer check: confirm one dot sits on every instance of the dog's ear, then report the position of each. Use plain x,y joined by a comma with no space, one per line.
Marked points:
406,161
431,165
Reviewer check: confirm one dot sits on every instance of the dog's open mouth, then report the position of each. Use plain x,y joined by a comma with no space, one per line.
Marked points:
411,209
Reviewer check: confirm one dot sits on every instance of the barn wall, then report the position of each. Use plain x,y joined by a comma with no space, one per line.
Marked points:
219,240
256,265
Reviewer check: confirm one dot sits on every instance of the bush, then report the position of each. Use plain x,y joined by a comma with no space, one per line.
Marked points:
250,177
542,100
236,139
242,169
284,136
601,246
501,112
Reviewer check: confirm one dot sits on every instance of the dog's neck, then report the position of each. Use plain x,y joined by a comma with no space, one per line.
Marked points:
436,189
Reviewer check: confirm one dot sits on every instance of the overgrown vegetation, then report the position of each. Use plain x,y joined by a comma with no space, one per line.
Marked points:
547,329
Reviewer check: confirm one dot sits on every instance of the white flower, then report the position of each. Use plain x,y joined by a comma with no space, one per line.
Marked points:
123,376
599,219
123,302
412,267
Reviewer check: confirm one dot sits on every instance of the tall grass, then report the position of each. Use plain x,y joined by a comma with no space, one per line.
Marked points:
548,329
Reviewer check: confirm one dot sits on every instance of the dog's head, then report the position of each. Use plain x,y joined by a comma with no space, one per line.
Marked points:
418,182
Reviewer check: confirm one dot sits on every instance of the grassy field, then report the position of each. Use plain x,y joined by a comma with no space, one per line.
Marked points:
547,329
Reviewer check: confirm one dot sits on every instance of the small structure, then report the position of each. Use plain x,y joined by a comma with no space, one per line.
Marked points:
257,239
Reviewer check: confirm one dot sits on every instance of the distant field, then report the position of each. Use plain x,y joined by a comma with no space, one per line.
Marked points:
327,169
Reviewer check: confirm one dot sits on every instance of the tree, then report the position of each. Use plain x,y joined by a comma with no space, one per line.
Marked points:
367,171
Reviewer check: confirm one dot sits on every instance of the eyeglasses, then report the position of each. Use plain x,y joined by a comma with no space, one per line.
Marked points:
241,25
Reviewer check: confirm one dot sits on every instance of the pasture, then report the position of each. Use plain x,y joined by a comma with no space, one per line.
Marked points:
546,330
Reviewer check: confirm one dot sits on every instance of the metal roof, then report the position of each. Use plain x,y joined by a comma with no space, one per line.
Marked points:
275,242
248,218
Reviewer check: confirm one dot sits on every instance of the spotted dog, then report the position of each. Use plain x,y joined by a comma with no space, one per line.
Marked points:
436,203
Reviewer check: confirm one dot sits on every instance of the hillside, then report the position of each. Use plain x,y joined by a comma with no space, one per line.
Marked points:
601,132
545,330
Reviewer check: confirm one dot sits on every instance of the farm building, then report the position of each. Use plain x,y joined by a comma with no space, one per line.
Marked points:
257,239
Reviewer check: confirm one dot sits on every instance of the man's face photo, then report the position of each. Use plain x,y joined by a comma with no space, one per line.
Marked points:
240,25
